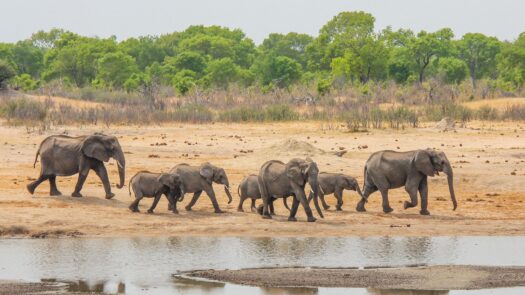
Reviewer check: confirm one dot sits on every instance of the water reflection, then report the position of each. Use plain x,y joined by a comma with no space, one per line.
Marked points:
372,291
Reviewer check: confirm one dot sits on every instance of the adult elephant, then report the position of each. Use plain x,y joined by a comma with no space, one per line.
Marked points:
62,155
386,170
278,180
196,179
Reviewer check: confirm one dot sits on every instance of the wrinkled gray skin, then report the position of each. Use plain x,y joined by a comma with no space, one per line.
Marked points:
386,170
154,185
196,179
249,188
335,183
62,155
277,180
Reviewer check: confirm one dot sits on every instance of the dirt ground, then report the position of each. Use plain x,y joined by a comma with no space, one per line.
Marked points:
446,277
489,162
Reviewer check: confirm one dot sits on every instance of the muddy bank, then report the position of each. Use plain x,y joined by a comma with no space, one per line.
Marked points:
445,277
16,287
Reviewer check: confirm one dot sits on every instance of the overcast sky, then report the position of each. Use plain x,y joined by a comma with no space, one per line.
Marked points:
504,19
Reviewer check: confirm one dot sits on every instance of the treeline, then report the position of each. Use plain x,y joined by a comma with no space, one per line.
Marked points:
347,51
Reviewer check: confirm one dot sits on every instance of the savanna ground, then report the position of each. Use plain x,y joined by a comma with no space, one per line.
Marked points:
488,157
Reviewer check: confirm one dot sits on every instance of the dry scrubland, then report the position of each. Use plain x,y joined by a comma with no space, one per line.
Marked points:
489,162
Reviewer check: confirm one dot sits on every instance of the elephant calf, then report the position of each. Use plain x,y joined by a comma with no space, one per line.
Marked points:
154,185
196,179
249,188
335,183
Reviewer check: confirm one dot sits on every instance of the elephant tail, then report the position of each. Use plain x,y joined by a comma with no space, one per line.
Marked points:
239,190
285,203
37,154
129,183
365,176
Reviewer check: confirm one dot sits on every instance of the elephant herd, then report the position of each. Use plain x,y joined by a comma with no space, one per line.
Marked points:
63,155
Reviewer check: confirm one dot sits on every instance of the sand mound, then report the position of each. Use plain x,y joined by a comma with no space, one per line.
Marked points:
446,124
294,147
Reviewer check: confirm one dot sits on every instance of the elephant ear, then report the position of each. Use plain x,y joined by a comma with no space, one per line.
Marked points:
423,163
295,174
207,172
93,147
165,179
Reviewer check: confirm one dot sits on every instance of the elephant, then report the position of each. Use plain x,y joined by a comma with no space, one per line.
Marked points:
335,183
148,184
63,155
196,179
386,170
277,180
249,188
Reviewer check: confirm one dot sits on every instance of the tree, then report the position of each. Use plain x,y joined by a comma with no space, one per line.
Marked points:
292,45
479,53
280,71
146,50
511,62
6,72
113,69
427,46
221,72
452,70
28,58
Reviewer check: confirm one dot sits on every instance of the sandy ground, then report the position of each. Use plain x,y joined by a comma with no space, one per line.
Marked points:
489,162
413,278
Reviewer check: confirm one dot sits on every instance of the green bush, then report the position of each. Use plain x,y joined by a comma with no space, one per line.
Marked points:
6,72
191,113
24,82
280,112
242,114
436,112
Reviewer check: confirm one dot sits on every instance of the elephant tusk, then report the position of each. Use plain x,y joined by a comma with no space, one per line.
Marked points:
120,165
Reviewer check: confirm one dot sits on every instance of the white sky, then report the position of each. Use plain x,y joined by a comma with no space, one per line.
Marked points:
504,19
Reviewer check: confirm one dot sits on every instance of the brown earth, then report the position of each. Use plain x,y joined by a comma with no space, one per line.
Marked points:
489,162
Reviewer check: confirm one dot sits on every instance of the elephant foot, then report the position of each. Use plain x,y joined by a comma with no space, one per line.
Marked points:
219,211
266,216
150,211
188,208
175,211
30,188
292,219
311,219
424,212
407,205
76,195
326,207
55,193
253,209
360,208
387,209
338,209
109,196
134,210
240,210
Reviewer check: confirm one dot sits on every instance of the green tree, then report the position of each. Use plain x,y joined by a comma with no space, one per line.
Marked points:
424,48
6,72
222,72
184,81
280,71
479,53
511,62
114,68
28,58
292,45
146,50
452,70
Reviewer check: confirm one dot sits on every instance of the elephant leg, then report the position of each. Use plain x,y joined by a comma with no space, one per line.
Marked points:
154,204
368,190
293,210
213,199
339,196
53,186
265,213
32,186
102,173
386,205
252,207
321,196
412,192
423,191
270,206
196,196
241,201
301,197
82,175
172,199
134,207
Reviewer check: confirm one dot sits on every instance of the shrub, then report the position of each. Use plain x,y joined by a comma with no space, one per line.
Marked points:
242,114
514,112
24,82
487,113
280,112
191,113
436,112
6,72
24,110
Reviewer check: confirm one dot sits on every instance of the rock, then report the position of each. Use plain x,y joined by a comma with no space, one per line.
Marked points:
446,124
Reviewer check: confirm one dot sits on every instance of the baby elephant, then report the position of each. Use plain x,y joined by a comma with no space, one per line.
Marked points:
154,185
249,188
335,183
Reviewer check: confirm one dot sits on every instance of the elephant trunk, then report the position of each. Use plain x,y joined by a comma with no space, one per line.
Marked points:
181,191
450,178
358,190
315,187
121,163
227,191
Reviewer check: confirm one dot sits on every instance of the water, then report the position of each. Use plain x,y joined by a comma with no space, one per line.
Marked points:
146,265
